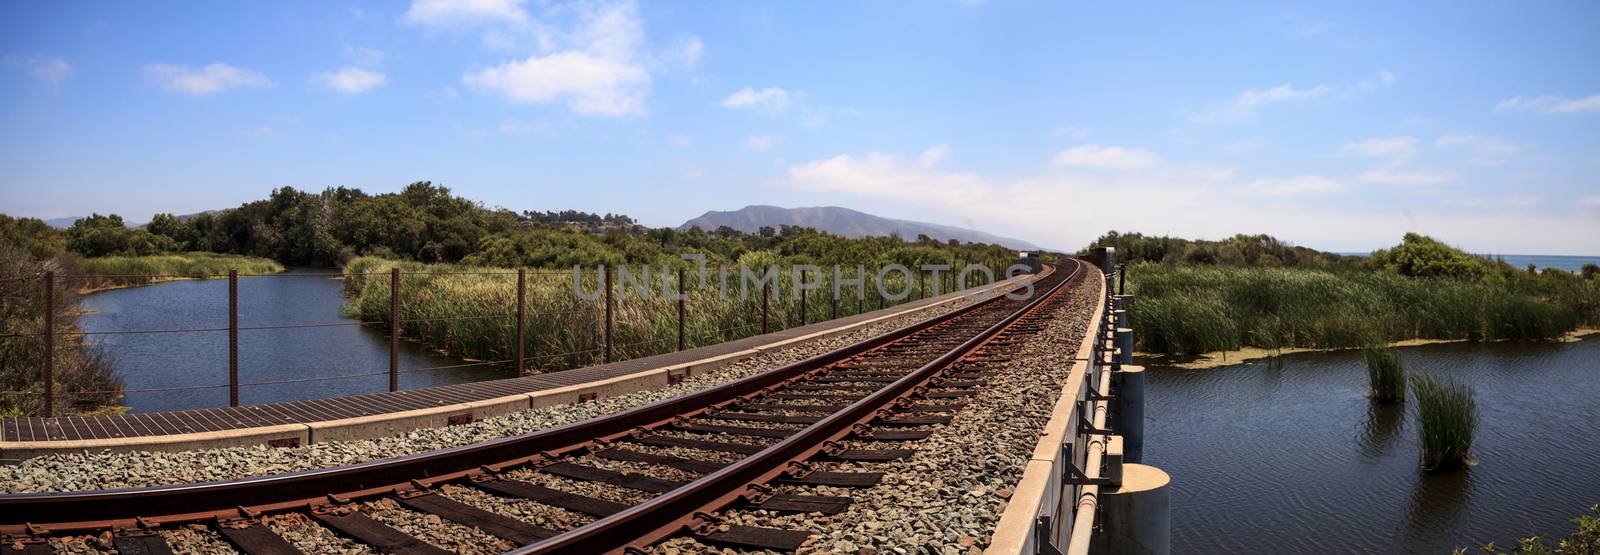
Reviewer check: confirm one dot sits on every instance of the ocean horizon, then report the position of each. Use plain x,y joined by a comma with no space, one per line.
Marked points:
1540,261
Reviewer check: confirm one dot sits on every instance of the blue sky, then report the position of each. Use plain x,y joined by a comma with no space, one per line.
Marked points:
1336,125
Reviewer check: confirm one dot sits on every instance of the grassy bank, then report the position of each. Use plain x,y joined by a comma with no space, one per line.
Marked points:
470,311
1186,309
110,272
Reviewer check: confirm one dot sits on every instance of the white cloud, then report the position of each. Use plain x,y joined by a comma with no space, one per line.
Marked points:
1302,185
1397,150
591,85
694,173
679,140
885,175
1106,157
1400,177
1485,150
931,157
1177,202
770,99
1244,106
48,69
351,79
1551,104
446,14
211,79
600,75
761,142
1591,201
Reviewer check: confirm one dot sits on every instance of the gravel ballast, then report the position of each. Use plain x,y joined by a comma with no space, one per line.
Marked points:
947,497
88,471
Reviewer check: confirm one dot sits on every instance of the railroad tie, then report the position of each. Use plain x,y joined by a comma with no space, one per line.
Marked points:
735,430
754,537
255,539
870,455
376,534
141,543
494,524
606,476
621,454
553,497
835,479
703,445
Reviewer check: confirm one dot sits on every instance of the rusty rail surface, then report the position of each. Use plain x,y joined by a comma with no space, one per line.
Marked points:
921,369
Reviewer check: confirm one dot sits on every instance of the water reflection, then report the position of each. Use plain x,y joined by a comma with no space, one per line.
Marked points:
1378,429
288,364
1329,472
1436,501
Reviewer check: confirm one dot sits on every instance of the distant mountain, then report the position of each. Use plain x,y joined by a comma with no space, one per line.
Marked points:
63,223
843,221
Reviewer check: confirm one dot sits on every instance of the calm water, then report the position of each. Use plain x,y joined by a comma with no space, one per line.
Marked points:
1568,263
155,361
1296,461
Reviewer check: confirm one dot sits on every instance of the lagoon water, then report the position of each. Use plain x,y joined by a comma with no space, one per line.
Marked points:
1296,460
296,356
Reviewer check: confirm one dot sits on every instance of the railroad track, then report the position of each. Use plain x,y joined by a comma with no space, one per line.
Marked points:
756,439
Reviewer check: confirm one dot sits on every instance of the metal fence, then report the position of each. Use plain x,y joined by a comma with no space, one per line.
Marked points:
763,319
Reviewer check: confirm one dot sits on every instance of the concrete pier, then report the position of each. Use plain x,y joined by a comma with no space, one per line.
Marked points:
1127,410
1136,517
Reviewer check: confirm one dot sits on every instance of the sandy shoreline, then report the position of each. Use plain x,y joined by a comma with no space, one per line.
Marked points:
1223,358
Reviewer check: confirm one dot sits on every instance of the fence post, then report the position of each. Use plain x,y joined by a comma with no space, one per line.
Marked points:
394,329
609,305
833,313
233,338
522,304
803,314
764,288
683,297
49,343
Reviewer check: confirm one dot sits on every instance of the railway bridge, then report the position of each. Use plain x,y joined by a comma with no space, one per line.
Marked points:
746,453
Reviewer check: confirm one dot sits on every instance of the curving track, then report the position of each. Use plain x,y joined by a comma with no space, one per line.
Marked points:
775,427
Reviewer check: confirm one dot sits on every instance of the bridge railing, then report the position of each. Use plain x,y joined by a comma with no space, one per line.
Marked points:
591,332
1095,427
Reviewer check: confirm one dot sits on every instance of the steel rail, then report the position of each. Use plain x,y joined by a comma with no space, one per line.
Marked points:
690,506
57,513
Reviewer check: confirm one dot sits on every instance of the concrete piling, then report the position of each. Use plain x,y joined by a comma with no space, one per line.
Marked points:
1127,410
1136,517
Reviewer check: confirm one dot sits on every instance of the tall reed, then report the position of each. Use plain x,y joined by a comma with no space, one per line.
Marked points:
470,311
1448,416
1385,374
122,271
1197,309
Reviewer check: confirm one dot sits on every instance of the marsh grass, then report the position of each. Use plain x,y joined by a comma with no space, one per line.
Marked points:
1385,374
1183,310
108,272
1447,416
470,311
